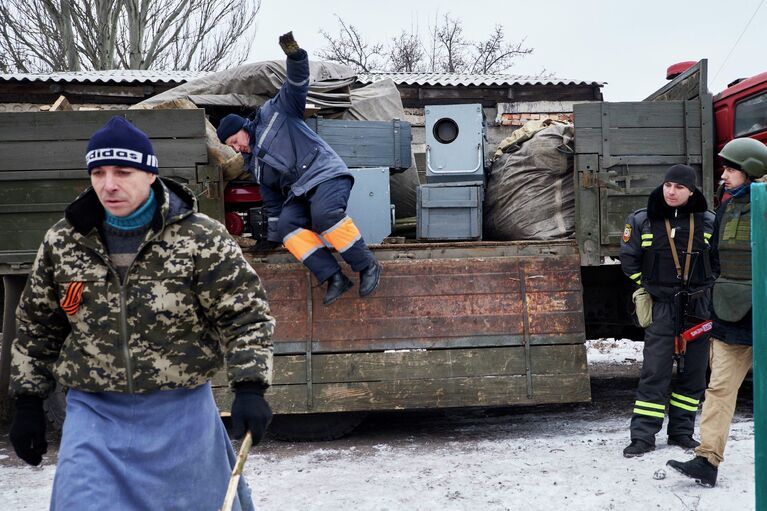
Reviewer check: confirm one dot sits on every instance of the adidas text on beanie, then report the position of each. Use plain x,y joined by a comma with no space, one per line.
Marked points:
120,143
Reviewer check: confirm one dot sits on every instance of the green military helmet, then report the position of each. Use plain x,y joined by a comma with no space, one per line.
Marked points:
746,154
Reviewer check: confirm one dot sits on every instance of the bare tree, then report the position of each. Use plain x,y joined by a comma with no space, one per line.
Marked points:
350,48
70,35
450,37
406,53
493,53
447,50
433,53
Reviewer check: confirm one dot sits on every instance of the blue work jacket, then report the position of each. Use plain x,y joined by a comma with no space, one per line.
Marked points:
287,158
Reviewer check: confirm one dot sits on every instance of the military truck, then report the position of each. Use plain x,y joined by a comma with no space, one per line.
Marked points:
453,324
622,152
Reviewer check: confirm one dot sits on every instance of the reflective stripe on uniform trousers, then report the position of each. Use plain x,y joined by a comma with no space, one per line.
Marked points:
641,408
684,402
302,243
343,234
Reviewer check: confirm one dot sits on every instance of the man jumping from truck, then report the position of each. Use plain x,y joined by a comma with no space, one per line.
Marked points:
666,251
133,301
304,184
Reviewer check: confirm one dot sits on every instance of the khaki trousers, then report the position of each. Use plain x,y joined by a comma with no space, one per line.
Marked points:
729,365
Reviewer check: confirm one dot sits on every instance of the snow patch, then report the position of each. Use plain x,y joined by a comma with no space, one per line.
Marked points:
614,351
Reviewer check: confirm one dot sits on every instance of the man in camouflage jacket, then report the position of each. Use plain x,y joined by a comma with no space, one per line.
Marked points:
134,293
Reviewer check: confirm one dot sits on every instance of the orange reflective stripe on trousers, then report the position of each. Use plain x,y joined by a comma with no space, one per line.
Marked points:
302,243
342,235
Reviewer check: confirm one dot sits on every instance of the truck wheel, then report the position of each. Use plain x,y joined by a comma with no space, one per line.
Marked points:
56,408
313,427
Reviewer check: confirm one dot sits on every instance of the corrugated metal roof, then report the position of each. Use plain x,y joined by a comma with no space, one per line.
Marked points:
475,80
113,76
154,76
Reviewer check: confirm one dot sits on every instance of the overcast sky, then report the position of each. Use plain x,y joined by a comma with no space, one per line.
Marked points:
628,45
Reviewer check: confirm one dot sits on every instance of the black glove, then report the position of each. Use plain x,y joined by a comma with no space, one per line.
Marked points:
289,45
27,433
250,411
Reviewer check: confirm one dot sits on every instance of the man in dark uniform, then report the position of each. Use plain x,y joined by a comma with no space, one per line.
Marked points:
666,250
745,159
304,183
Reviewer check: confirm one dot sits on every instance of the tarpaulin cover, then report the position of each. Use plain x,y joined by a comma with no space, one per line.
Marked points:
252,84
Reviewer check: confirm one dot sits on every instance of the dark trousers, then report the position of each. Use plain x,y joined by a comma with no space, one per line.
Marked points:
655,393
320,210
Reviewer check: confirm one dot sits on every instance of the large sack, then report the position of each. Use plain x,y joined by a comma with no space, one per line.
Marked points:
530,191
520,136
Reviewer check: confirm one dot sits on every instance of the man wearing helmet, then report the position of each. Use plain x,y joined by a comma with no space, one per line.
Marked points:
744,159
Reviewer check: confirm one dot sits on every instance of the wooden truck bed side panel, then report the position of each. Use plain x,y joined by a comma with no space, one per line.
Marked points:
622,151
492,324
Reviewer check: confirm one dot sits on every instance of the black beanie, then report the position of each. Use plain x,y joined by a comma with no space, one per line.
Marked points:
681,174
120,143
228,126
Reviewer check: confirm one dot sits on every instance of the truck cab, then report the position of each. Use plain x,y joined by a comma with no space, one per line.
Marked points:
741,110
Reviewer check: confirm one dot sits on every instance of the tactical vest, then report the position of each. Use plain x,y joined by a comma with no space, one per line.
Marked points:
732,292
659,275
735,240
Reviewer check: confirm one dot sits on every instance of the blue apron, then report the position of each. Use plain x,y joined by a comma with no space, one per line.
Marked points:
165,450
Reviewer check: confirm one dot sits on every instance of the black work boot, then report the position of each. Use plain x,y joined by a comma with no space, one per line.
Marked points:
369,278
338,284
684,441
697,468
637,448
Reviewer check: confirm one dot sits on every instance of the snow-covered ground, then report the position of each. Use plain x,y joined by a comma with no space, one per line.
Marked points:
617,352
560,464
541,458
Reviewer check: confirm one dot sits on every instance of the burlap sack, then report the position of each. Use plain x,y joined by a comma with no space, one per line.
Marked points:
530,192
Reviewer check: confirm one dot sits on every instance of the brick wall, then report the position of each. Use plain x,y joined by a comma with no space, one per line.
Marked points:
519,119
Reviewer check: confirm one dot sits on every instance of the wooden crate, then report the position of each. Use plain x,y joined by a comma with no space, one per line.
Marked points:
367,143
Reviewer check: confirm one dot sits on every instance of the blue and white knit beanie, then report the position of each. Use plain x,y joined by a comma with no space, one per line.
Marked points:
120,143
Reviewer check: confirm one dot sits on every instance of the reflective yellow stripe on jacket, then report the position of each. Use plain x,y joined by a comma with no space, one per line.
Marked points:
646,240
